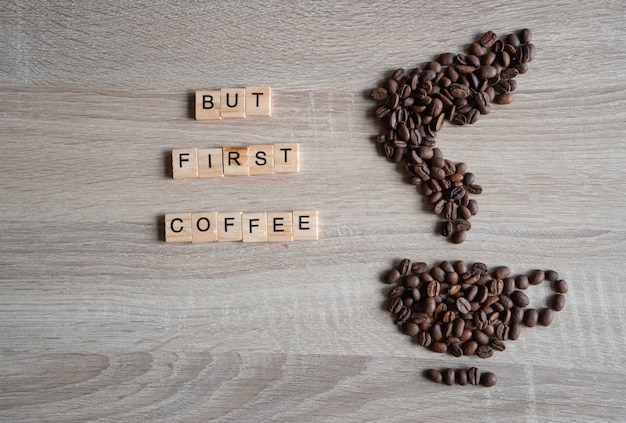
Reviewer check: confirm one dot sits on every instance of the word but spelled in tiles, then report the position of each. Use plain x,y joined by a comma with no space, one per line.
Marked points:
264,159
238,226
233,103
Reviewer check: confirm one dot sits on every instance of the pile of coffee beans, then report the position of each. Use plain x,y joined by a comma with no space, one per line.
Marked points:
466,309
459,88
472,376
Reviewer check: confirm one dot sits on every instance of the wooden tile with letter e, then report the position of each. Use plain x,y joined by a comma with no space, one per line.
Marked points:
233,102
305,225
279,226
204,227
261,159
229,227
258,101
286,158
178,227
185,163
208,105
254,227
235,161
210,162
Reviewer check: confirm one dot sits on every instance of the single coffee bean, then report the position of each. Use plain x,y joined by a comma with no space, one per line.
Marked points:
488,379
397,292
521,282
412,329
504,98
435,375
514,331
463,305
439,347
484,351
497,345
395,305
393,276
517,314
531,317
461,377
448,376
458,237
473,376
557,302
546,315
536,277
378,94
560,286
520,299
424,339
480,320
481,337
525,36
470,347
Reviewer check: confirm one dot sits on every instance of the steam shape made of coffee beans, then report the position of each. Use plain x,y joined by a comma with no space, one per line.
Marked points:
458,88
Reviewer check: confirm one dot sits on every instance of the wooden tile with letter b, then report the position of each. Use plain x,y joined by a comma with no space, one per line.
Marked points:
185,163
258,101
233,102
286,158
305,225
208,105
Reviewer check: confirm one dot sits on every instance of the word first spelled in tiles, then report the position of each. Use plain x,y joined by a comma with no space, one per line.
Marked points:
238,226
233,103
266,159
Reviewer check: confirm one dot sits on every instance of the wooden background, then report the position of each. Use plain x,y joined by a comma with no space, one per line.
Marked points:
101,320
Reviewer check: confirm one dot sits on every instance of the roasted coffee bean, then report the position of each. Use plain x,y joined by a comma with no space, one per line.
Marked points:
434,375
393,276
424,339
497,344
546,315
458,237
488,379
557,302
378,94
521,282
449,376
488,39
461,377
439,347
480,320
463,305
520,299
536,277
412,328
397,292
481,337
531,317
560,286
514,331
484,351
405,266
403,315
473,376
470,347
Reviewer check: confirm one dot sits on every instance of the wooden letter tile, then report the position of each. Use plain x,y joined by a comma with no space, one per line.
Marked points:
204,227
235,161
229,227
210,162
178,227
233,102
279,226
261,159
305,225
258,101
286,158
254,226
208,105
185,163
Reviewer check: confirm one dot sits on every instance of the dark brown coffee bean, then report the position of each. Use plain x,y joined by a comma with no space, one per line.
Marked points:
456,350
488,379
487,72
434,375
412,329
509,286
458,237
405,266
557,302
439,347
519,298
463,305
504,98
470,347
517,314
546,315
474,376
403,315
521,282
461,377
481,337
480,320
424,339
536,277
396,292
488,39
531,317
484,351
419,267
378,94
497,345
433,289
396,305
501,272
393,276
474,189
448,376
515,329
560,286
472,205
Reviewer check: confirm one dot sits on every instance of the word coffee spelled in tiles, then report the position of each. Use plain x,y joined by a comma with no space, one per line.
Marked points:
266,159
238,226
233,103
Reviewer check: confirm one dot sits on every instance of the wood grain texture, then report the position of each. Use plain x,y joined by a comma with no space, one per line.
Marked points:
101,320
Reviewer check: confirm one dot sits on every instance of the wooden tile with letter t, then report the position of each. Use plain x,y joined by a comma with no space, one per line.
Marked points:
254,227
279,226
286,158
208,105
233,102
185,163
258,101
178,227
305,225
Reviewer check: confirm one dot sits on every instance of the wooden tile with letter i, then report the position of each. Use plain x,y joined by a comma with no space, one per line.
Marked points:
185,163
210,163
204,227
261,159
279,226
178,227
254,227
233,102
229,227
286,158
258,101
235,161
305,225
208,105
